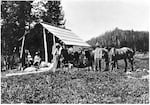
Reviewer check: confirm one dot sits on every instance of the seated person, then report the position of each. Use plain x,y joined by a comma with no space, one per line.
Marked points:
37,59
29,60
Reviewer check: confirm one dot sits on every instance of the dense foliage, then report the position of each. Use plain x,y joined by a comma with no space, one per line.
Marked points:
138,40
16,16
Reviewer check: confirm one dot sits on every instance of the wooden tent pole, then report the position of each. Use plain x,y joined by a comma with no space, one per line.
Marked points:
45,45
54,45
21,53
54,56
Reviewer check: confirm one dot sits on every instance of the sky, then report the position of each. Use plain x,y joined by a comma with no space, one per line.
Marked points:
91,18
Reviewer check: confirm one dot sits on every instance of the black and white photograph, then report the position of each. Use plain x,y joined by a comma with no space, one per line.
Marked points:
75,51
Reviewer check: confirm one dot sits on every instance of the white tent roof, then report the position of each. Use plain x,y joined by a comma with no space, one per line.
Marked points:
67,36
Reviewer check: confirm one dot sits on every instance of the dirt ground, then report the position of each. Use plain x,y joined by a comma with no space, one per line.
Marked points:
82,85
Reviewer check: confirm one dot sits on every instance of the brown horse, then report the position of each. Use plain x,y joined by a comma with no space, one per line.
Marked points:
124,53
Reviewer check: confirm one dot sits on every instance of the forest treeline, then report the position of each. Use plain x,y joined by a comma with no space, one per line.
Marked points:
19,17
137,40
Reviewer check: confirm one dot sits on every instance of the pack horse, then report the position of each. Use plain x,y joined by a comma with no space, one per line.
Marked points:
124,53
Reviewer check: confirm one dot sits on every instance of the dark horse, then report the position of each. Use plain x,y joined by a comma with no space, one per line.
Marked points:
124,53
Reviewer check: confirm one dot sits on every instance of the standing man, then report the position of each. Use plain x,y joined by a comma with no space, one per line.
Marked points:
64,55
56,55
97,57
70,54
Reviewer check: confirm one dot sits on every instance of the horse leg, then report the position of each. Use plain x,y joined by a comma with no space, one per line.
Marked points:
95,64
112,65
92,65
131,62
99,65
117,65
125,65
106,66
89,66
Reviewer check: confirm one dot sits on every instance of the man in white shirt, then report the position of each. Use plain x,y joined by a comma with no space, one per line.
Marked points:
97,57
70,50
56,55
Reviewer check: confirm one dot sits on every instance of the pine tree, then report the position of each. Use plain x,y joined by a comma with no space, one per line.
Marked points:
17,18
55,14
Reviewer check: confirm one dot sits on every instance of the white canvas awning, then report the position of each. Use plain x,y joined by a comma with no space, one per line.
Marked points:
67,36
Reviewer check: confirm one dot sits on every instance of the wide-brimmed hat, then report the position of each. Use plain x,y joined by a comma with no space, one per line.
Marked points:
29,56
97,44
37,52
57,44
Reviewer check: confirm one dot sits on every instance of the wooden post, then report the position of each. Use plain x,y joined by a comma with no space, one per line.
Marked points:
54,56
21,53
45,45
54,45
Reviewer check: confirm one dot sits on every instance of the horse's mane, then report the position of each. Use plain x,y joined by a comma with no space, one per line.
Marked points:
112,51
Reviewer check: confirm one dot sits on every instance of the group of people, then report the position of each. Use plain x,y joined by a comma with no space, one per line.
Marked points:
86,57
65,55
62,54
56,52
29,61
82,57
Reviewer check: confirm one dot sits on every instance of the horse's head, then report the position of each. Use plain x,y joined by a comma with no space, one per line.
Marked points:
112,51
105,54
104,51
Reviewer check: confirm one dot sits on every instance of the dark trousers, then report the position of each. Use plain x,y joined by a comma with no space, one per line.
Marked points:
97,64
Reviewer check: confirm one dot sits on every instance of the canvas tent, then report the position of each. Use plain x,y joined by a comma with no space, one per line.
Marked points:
67,36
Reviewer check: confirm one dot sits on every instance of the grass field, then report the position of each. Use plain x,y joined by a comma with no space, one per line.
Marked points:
79,86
